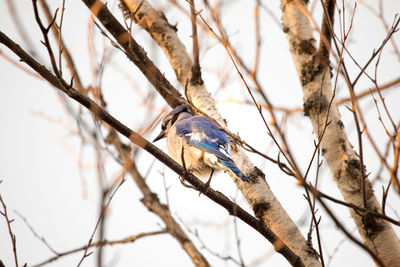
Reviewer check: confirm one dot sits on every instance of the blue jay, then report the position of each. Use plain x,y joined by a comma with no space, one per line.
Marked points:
205,148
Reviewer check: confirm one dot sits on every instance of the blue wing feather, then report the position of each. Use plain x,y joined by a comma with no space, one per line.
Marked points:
228,162
231,165
205,135
210,148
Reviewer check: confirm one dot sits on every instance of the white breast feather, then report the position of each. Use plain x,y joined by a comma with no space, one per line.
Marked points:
210,159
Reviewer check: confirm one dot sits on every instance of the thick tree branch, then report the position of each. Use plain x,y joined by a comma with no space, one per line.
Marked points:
345,166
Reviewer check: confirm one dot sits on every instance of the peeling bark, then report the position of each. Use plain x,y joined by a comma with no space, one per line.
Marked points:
339,154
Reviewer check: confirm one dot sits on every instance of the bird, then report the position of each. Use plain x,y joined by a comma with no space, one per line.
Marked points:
203,147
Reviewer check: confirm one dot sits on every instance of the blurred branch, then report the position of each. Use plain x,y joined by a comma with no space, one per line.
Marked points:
18,24
396,158
381,17
394,28
370,91
42,239
19,66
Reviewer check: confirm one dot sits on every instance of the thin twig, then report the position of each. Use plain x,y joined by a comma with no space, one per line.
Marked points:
10,232
42,239
101,243
85,254
62,47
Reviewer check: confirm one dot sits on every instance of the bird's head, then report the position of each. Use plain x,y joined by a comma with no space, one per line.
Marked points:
170,119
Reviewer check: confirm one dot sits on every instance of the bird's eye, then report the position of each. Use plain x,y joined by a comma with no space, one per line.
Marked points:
167,120
164,125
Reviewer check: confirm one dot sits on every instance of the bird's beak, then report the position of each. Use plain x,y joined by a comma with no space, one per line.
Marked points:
160,136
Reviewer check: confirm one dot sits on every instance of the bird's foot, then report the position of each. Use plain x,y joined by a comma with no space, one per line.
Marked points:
182,180
207,184
185,184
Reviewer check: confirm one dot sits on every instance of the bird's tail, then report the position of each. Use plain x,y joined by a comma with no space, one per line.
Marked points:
233,168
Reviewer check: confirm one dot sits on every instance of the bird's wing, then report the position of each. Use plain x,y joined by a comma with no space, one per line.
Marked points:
201,132
205,135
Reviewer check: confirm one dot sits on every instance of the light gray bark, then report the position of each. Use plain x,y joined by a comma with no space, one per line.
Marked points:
339,154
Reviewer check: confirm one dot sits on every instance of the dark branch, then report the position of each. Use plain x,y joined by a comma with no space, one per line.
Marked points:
326,30
196,71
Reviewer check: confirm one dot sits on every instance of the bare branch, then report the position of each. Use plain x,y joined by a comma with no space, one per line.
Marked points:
129,239
10,232
85,254
65,51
